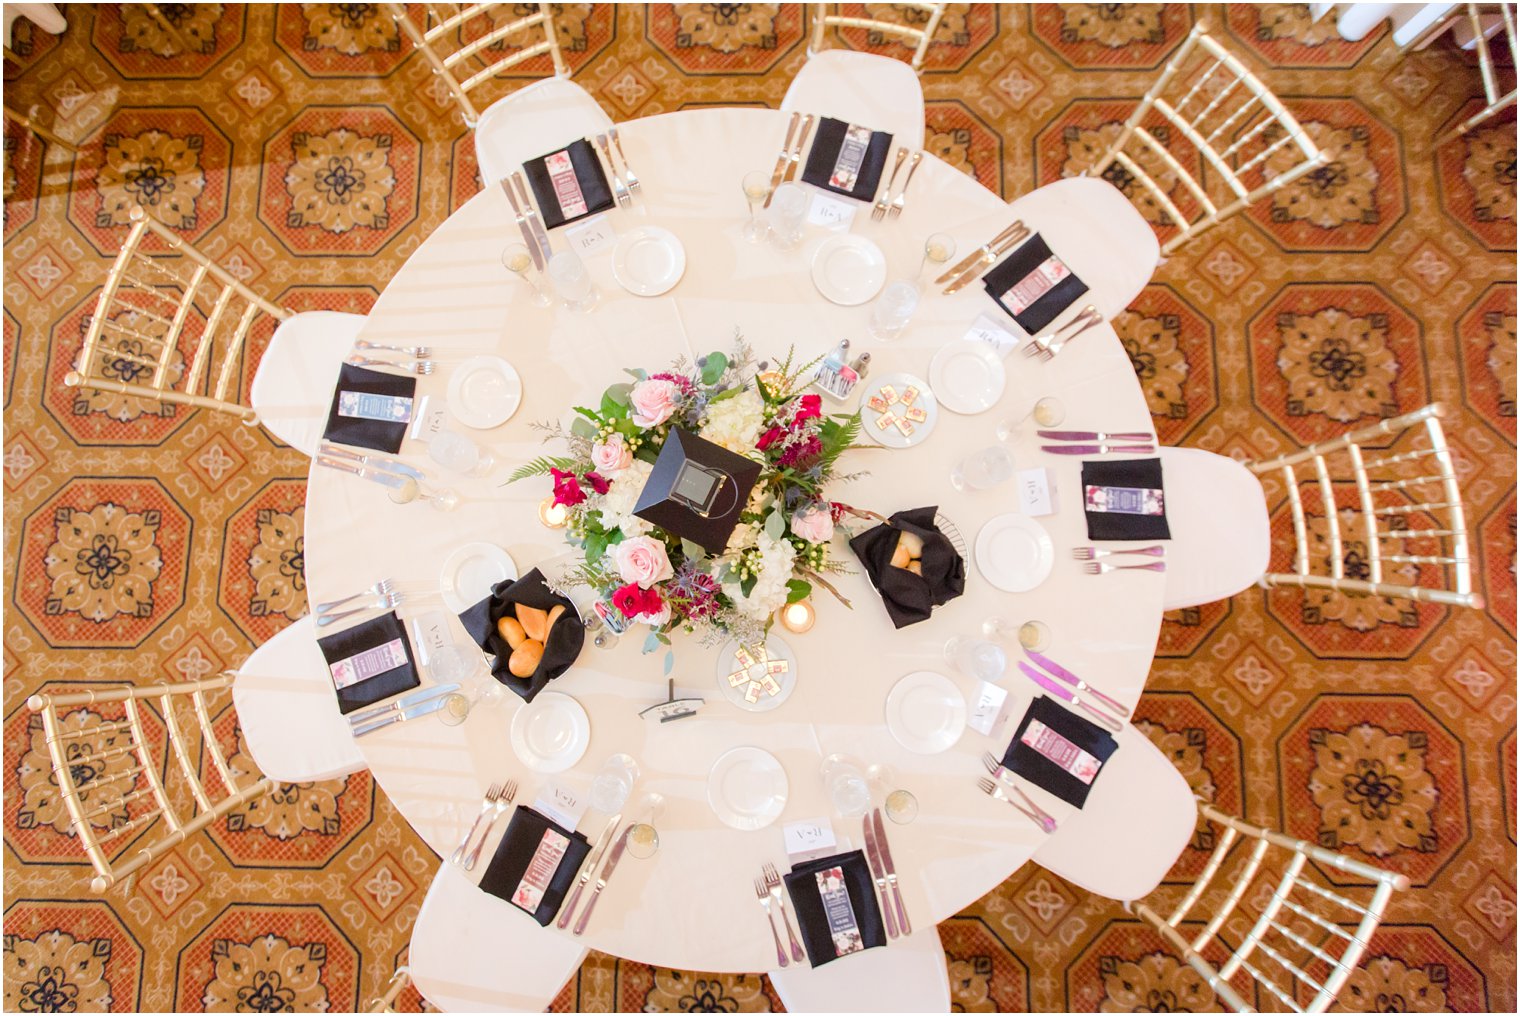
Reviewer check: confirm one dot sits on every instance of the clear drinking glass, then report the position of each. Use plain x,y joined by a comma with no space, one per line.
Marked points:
456,708
454,451
613,783
939,248
900,805
454,663
976,658
1034,635
984,469
571,280
846,786
1049,412
520,263
643,837
893,310
410,490
756,185
787,212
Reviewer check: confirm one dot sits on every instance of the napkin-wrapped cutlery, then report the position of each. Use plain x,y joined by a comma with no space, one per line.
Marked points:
879,209
1008,781
1098,449
601,880
873,861
970,268
896,207
529,240
1065,694
585,876
617,143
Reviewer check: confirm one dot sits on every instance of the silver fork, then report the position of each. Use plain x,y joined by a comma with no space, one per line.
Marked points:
1093,553
418,351
1004,778
879,210
773,883
389,602
992,790
502,804
617,142
492,793
619,189
411,366
1047,346
764,896
895,209
1102,567
382,588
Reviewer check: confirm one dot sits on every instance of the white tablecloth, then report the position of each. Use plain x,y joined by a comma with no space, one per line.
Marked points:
692,905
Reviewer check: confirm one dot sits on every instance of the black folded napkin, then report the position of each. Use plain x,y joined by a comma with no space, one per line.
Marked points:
379,435
1126,475
514,854
557,209
1040,296
565,638
910,598
802,887
824,155
371,634
1077,732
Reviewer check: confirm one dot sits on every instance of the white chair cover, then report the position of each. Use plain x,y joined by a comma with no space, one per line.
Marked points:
1098,847
288,712
908,975
472,952
1221,536
534,121
293,388
44,16
861,88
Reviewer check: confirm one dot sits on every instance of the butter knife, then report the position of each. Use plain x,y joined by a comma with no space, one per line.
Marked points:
966,263
529,240
1052,667
596,858
601,880
365,716
1092,435
425,709
783,159
379,462
1097,449
873,861
531,214
796,157
1065,694
366,472
988,255
886,863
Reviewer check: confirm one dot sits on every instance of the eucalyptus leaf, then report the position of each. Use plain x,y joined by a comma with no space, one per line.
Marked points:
694,553
797,590
582,427
638,373
670,662
775,525
747,586
713,369
651,643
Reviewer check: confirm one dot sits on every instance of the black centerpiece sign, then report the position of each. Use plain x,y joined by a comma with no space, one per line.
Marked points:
697,490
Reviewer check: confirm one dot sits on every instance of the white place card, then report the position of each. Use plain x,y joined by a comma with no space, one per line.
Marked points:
430,632
590,235
831,212
808,838
560,802
1036,495
990,710
988,330
428,420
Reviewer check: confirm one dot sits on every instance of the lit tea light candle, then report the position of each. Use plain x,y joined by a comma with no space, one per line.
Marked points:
798,617
552,515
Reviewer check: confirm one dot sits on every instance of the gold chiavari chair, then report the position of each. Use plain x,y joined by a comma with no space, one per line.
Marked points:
918,36
1471,16
1248,140
28,123
398,983
129,740
1301,939
1395,491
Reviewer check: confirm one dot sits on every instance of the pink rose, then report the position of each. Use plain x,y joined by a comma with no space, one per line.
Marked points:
654,402
612,456
815,525
642,559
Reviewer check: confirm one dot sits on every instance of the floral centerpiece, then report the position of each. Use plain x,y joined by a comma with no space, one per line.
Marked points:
779,549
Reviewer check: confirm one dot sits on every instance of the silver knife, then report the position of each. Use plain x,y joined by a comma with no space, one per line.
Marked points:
873,861
366,472
1052,667
364,716
529,240
969,262
1093,435
601,880
531,214
782,160
1064,693
379,462
1098,449
425,709
992,252
886,863
596,858
796,158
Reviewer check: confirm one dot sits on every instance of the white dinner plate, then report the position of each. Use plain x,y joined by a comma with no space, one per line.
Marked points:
484,392
967,376
470,571
891,437
728,665
926,712
746,788
550,734
849,269
648,261
1014,552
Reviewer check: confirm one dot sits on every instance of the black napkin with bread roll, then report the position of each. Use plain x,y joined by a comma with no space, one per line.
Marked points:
912,564
513,625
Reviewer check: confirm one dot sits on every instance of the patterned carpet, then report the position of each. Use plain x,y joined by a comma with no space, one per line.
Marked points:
306,148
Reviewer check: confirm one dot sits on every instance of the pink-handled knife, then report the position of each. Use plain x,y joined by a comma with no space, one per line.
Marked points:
1097,449
1076,682
1064,693
1094,435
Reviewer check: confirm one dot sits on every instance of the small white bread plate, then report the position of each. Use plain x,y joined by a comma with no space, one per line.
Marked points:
1014,552
550,734
648,261
484,392
849,269
926,712
747,788
470,571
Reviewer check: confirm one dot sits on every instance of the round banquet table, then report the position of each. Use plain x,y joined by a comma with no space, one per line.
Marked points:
692,905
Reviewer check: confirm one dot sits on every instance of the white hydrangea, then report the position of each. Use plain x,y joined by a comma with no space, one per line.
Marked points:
735,423
743,537
618,503
769,594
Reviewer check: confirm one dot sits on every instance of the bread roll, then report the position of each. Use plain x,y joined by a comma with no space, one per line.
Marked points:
559,608
525,658
534,621
509,629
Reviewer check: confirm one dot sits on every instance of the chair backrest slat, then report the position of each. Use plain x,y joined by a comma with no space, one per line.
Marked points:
921,38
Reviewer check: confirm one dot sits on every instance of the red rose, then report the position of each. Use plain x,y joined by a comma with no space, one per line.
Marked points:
632,601
810,407
769,438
